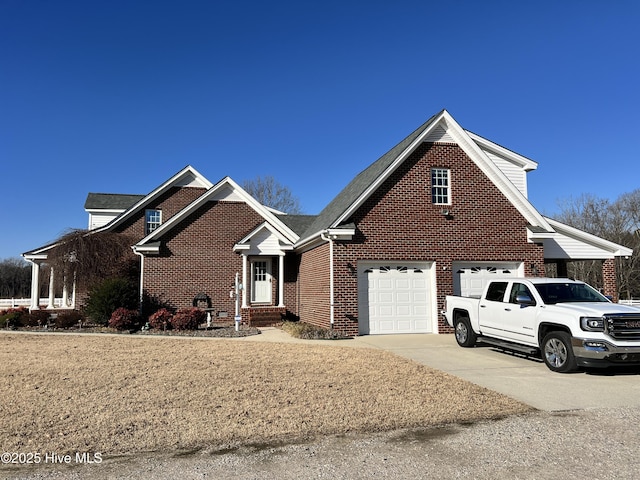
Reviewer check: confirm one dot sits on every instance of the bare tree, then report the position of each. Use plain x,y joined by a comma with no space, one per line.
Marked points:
90,257
271,193
618,222
15,278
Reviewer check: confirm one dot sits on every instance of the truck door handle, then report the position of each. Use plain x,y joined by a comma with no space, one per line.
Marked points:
507,309
483,306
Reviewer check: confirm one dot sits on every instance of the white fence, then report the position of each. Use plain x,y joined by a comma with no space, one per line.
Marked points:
26,302
634,302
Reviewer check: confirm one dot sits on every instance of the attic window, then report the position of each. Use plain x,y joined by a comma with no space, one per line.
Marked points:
153,219
440,186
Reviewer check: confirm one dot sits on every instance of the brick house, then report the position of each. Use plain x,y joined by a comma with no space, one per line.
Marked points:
440,213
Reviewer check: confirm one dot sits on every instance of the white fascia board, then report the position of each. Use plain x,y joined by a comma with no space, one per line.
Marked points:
341,233
33,257
145,249
615,249
290,236
536,237
155,193
104,210
316,239
526,163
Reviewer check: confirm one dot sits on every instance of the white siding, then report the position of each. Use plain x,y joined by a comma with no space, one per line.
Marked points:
265,243
439,135
513,172
97,220
563,246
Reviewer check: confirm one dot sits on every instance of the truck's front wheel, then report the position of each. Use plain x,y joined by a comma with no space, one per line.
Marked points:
465,336
557,352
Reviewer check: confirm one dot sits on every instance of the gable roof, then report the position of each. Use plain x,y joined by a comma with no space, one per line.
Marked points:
225,189
367,182
187,177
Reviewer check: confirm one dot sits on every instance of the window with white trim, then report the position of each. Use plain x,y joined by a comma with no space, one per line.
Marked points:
153,219
441,186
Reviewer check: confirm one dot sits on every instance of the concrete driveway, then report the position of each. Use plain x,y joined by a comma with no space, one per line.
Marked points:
525,379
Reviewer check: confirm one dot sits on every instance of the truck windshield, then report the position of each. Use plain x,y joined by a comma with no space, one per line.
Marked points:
552,293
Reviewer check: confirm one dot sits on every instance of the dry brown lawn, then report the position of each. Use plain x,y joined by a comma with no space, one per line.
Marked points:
113,395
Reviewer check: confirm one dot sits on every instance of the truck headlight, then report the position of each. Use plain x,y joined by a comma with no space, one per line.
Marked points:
592,324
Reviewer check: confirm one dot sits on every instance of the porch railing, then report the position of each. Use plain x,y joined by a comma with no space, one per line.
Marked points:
26,302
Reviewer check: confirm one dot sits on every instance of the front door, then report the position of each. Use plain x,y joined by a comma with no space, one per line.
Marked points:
261,281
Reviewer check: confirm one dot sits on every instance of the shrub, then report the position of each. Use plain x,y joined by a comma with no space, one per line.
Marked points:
68,319
188,319
310,332
106,297
14,317
124,319
38,318
161,319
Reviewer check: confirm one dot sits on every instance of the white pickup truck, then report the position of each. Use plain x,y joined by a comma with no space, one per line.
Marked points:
568,322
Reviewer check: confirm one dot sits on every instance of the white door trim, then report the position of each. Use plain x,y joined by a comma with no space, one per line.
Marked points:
261,280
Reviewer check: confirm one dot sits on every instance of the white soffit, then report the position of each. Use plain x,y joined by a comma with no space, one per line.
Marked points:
571,243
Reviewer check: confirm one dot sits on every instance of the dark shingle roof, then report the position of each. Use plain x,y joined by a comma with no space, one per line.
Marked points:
297,223
360,183
110,201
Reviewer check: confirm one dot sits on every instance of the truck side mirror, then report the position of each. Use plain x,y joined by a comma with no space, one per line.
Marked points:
524,299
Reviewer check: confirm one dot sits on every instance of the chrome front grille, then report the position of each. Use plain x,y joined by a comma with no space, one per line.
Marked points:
623,326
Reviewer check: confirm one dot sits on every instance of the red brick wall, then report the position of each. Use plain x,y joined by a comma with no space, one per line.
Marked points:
609,282
171,202
399,222
197,256
291,269
313,286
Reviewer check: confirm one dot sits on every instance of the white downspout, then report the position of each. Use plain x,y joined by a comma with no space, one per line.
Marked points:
331,302
141,297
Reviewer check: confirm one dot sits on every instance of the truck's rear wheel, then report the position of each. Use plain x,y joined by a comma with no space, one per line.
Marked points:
465,336
557,352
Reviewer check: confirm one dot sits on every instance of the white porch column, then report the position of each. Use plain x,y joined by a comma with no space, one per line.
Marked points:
281,280
35,286
73,291
52,292
244,280
65,293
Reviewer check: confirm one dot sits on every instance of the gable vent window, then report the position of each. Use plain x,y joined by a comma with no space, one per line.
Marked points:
441,186
153,219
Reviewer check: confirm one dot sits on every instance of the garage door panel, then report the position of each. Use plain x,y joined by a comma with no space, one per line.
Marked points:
403,297
395,299
419,297
470,278
384,297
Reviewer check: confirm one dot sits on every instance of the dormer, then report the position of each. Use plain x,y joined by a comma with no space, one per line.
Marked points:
104,207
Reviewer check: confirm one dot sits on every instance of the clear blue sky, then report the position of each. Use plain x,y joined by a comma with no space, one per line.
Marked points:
117,96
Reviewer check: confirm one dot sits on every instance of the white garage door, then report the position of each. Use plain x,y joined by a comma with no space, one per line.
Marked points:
395,298
469,279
